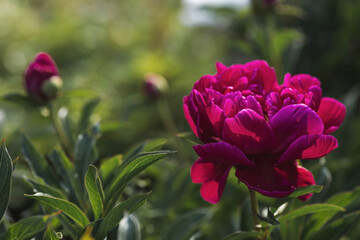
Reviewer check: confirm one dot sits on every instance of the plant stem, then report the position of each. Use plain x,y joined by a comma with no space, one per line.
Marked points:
254,209
60,132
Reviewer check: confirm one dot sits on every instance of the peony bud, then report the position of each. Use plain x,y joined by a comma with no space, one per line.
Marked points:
155,85
41,78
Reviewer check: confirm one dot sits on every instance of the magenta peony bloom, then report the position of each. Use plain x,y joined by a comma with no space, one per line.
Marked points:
41,78
248,121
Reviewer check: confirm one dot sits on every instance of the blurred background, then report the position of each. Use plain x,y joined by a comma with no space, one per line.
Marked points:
106,48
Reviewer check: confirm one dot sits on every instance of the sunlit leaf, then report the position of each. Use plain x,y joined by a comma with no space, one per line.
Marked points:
45,188
129,170
68,208
113,218
51,234
94,189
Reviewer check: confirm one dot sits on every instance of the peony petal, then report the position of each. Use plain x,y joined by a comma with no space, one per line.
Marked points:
265,178
323,145
305,178
332,112
204,82
301,82
297,148
249,132
216,117
220,68
202,171
188,114
222,153
267,74
292,122
211,191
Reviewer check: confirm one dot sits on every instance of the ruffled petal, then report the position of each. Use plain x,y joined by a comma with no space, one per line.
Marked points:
265,74
301,82
292,122
220,67
249,132
212,191
202,171
305,178
216,117
265,178
204,82
332,112
222,153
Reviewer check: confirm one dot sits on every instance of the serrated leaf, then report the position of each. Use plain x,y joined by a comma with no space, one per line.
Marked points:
182,227
37,164
68,208
5,179
28,227
243,235
113,218
129,228
94,189
86,113
128,171
311,208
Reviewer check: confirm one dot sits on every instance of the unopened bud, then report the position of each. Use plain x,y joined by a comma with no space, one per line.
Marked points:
52,87
155,85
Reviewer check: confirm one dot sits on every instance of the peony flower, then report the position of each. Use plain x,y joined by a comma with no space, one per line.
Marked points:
42,80
249,122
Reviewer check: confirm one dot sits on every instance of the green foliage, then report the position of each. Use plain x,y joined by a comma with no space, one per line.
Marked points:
95,191
6,169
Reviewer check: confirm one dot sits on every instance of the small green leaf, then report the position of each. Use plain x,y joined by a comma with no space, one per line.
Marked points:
6,169
94,189
85,151
312,208
70,209
270,218
43,187
28,227
129,170
86,113
129,228
182,227
66,126
113,218
243,235
50,234
37,164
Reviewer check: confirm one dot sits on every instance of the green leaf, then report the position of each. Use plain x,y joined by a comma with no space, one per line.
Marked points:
20,100
299,192
85,151
94,189
130,169
107,168
66,127
270,218
28,227
113,218
50,234
343,199
43,187
37,164
6,169
312,208
182,227
86,113
243,235
146,146
70,209
129,228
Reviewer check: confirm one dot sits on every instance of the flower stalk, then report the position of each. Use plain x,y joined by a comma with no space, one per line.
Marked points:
254,210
